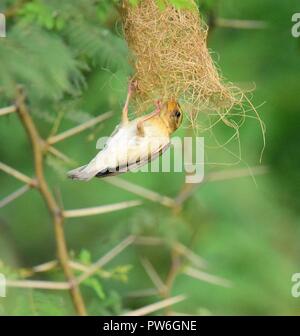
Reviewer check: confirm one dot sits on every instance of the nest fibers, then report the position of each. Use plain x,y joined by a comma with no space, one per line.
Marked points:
171,59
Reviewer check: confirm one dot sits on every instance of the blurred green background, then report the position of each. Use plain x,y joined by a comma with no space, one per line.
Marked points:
73,62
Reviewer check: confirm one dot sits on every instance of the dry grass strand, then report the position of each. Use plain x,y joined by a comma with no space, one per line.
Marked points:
171,58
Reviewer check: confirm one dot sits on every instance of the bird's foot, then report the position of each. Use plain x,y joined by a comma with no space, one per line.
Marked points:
158,104
132,86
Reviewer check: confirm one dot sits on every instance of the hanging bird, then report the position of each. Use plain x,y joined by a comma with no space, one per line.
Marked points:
133,143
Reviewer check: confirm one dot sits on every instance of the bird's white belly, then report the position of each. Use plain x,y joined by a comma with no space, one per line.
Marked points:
126,146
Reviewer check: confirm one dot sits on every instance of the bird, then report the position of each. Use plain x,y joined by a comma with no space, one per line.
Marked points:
134,143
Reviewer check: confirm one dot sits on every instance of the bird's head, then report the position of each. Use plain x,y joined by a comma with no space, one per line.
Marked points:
172,115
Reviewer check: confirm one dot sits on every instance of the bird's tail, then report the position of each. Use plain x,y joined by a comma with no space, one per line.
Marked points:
84,173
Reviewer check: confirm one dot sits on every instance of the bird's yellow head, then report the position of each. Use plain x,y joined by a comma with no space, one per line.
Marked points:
171,115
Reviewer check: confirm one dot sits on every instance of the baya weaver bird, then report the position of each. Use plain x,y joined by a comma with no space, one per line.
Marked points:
133,143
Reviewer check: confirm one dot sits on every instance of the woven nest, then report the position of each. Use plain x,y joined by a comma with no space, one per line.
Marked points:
171,60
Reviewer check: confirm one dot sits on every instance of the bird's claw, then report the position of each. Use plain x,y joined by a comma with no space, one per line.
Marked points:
158,104
133,84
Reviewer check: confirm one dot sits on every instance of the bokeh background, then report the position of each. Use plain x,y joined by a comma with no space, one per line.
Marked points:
73,62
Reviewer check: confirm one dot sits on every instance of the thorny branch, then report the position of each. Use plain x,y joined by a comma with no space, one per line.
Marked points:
53,207
40,148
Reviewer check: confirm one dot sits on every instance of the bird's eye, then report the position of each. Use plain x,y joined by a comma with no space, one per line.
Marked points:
177,114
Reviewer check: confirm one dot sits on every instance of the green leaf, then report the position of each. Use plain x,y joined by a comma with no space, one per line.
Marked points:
85,257
96,286
40,61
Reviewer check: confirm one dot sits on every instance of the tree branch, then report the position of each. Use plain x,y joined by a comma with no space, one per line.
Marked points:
240,24
73,131
100,209
156,306
55,152
203,276
38,284
140,191
55,211
16,194
7,110
153,275
16,174
105,259
189,189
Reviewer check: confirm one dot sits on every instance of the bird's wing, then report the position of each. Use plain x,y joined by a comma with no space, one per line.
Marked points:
134,160
98,163
124,151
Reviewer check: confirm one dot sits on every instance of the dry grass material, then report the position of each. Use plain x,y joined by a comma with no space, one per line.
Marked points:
171,61
171,58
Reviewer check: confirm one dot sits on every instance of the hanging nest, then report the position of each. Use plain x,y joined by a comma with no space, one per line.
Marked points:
171,59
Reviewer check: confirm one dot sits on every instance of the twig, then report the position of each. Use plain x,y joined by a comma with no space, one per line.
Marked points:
16,174
236,173
219,176
45,267
100,209
148,240
156,306
56,123
73,131
59,155
16,194
153,275
240,24
175,266
140,191
178,247
55,211
50,265
7,110
78,266
105,259
213,279
38,284
190,255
